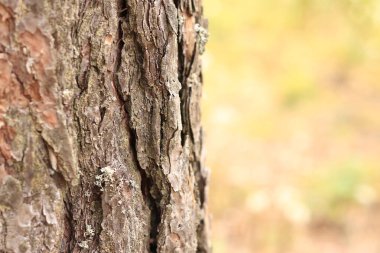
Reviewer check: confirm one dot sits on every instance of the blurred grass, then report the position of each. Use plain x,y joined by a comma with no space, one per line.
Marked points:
291,102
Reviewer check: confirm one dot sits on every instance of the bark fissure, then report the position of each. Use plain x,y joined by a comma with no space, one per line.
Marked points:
69,238
150,195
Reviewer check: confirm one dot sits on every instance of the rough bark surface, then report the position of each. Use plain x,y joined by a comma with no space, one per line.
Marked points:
100,135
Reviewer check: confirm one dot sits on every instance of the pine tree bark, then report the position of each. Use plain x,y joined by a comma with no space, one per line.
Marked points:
100,135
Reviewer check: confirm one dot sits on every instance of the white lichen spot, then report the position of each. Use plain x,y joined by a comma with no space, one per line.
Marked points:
108,172
83,244
90,232
89,235
202,37
106,176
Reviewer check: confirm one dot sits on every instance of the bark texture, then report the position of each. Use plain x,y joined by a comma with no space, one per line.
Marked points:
100,135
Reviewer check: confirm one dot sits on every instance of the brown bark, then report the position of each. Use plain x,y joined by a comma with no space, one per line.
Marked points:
100,135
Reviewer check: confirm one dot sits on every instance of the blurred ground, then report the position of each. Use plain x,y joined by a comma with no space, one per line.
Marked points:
291,112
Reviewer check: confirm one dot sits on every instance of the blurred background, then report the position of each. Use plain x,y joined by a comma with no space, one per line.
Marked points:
291,112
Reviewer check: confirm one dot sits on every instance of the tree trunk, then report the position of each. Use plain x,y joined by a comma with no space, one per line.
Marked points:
100,135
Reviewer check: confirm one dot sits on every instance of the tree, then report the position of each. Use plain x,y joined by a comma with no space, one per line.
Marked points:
100,135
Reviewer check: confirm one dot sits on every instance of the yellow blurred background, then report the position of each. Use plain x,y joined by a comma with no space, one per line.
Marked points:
291,112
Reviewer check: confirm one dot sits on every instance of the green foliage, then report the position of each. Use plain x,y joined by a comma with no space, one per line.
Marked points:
330,191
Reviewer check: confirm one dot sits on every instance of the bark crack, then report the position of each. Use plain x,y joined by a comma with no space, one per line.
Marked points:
147,189
69,227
